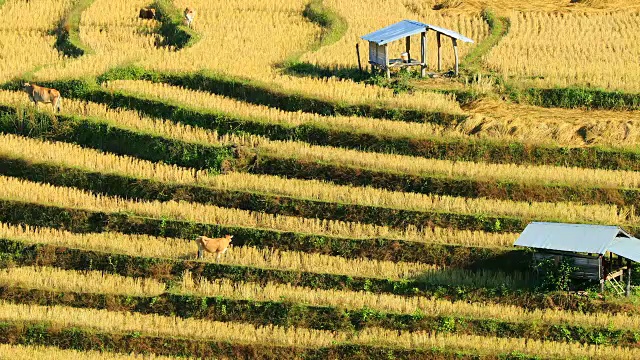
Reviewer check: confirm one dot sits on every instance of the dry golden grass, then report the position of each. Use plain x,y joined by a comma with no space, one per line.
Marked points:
74,156
210,102
113,31
20,352
506,121
324,191
573,127
15,189
70,155
361,20
404,164
593,49
17,49
240,333
496,120
32,15
490,119
526,174
24,39
242,38
128,119
249,40
502,6
155,325
48,278
399,304
246,46
348,92
69,197
149,246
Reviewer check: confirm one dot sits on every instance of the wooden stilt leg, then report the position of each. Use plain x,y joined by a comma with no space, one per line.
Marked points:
439,53
423,53
386,60
628,289
455,52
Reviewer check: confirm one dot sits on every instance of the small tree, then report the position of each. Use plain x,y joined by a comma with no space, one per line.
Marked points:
556,277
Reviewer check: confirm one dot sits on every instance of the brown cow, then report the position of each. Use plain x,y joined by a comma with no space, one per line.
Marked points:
218,245
189,17
42,94
147,13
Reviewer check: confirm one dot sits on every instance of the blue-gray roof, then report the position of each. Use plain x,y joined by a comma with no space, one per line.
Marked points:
396,31
626,247
580,238
406,28
450,33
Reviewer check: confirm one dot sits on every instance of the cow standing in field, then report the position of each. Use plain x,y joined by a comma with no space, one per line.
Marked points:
147,13
218,245
189,17
42,94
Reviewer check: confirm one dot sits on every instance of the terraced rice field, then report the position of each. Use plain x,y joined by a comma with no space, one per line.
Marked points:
23,33
369,220
606,60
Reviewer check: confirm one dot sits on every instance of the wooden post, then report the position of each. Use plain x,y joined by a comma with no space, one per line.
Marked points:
439,52
408,47
386,60
610,262
423,53
373,67
601,272
628,289
358,53
455,52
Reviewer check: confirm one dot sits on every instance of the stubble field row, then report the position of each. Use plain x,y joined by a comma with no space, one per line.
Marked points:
65,317
54,279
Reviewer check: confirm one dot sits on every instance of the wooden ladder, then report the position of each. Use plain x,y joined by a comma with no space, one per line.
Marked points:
617,287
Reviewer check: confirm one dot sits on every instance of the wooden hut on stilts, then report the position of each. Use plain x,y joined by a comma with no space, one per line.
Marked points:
600,253
379,41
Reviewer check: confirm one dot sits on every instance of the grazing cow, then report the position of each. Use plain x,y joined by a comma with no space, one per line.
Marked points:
218,245
147,13
42,94
189,17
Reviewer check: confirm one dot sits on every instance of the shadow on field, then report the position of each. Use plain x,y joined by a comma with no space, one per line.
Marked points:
304,69
507,272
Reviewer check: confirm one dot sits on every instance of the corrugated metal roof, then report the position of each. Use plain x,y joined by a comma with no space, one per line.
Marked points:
450,33
626,247
570,237
396,31
406,28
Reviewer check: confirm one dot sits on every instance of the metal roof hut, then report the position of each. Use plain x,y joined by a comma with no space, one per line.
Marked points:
587,246
379,40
